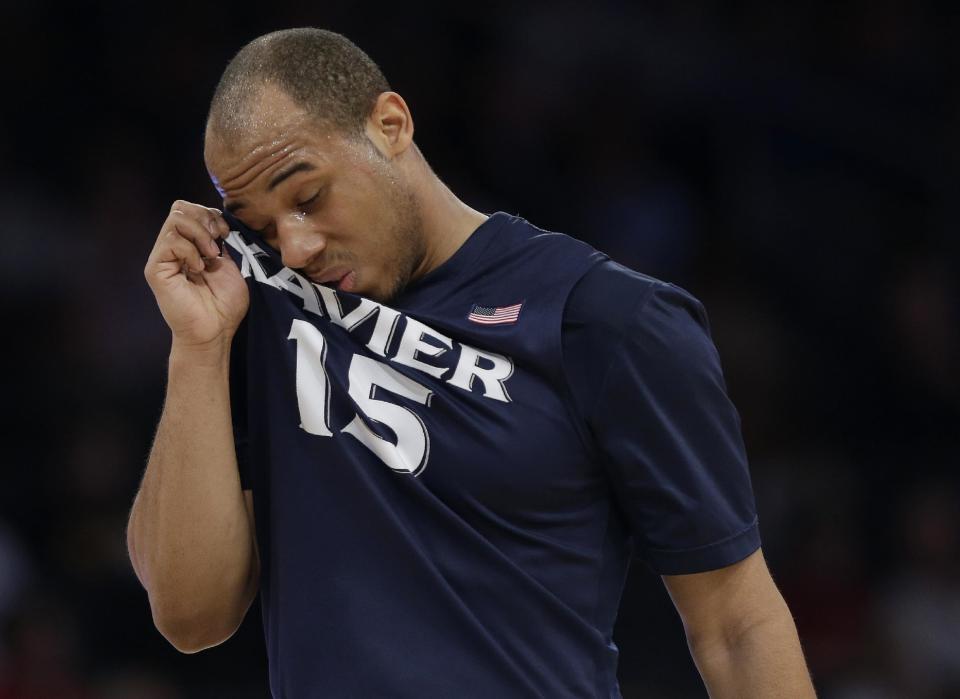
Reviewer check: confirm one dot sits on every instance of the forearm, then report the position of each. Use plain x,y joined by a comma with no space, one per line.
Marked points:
762,660
189,535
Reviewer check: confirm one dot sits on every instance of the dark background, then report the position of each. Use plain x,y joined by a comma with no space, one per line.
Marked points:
795,168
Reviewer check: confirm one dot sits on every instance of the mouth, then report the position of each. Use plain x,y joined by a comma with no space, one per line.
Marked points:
348,281
342,278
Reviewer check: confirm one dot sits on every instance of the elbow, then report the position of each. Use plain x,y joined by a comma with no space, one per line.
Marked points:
201,613
194,625
192,634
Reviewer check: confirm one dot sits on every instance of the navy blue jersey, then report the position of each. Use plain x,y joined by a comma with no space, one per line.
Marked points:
448,489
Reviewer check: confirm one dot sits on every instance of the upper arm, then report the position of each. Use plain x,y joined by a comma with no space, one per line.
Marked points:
723,603
668,434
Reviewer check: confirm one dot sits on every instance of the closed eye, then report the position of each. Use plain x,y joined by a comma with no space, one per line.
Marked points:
305,205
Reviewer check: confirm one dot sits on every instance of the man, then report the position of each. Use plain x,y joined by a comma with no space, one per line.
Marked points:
453,428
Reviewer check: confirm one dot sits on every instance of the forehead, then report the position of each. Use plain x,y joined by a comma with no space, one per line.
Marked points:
272,130
252,123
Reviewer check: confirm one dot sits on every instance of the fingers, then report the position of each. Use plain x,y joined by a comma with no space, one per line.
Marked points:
189,237
198,224
219,268
221,225
184,250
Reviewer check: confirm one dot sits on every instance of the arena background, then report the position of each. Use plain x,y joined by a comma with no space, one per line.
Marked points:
796,168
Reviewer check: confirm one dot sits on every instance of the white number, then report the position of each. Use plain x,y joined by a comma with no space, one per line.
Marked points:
410,453
365,376
313,387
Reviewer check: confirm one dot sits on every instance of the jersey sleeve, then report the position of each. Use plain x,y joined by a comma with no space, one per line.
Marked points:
238,404
664,427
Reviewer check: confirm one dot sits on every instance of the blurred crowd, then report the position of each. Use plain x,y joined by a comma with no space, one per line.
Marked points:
794,166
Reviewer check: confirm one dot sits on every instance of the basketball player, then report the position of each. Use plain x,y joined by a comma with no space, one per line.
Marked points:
431,438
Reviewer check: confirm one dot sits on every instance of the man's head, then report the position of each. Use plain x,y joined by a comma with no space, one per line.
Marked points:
307,145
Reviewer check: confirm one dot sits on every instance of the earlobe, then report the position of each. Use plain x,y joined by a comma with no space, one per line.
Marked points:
391,124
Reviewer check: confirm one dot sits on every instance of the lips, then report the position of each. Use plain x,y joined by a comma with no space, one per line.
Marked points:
333,274
348,281
343,278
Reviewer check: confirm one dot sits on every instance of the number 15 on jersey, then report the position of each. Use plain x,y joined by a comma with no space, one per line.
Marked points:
365,376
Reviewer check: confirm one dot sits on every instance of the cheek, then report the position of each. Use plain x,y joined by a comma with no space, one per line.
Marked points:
362,206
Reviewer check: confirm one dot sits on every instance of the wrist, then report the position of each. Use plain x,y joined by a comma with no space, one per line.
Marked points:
212,354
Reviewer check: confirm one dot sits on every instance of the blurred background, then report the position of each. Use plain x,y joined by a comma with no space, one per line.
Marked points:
795,166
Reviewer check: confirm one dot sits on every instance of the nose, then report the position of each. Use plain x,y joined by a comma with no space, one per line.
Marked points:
299,241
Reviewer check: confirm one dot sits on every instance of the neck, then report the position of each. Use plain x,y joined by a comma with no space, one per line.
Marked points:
446,222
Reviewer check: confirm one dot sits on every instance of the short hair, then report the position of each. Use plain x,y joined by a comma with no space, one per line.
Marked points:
322,71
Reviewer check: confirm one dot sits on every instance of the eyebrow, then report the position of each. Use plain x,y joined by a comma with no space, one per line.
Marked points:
281,176
234,207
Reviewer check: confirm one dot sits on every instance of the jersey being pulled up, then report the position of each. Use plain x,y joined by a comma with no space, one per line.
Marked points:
436,515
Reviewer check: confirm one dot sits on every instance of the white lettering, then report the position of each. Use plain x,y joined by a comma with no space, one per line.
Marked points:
494,373
383,331
249,262
299,286
359,314
493,378
412,344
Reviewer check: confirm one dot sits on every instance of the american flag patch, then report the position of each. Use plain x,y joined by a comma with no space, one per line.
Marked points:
488,315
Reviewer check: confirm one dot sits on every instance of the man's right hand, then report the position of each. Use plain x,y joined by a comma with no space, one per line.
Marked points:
201,294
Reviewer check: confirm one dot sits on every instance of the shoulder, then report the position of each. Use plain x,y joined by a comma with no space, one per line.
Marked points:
516,232
611,301
619,322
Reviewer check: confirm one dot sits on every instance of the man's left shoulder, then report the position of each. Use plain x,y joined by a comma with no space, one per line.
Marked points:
612,297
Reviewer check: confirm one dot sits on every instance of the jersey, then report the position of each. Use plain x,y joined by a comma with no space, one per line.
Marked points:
442,508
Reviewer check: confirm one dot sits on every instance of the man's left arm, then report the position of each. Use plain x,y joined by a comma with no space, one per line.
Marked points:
740,632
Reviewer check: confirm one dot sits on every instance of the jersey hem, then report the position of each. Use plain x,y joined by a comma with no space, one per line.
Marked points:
719,554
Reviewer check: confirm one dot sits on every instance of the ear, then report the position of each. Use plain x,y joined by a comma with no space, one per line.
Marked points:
390,125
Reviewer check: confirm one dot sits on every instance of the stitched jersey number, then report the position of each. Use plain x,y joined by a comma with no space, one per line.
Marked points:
365,377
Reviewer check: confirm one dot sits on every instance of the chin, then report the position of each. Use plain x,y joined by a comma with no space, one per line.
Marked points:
388,296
